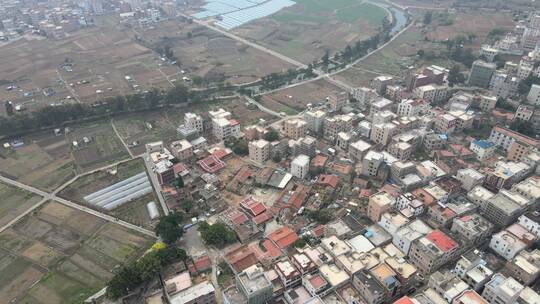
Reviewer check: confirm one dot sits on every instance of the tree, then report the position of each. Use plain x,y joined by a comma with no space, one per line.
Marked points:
428,17
179,182
169,228
320,216
240,147
186,205
271,135
9,108
276,158
217,234
326,58
522,127
454,76
300,243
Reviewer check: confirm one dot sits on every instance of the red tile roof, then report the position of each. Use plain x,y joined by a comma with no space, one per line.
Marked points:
252,206
203,263
442,241
318,231
517,136
233,122
283,237
220,153
328,179
235,216
242,259
262,218
319,160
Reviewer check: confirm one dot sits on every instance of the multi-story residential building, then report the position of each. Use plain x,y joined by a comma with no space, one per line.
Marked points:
503,85
470,178
300,166
404,236
303,263
392,221
201,293
382,133
504,138
315,284
524,112
487,103
338,100
378,204
447,285
401,150
481,73
430,252
472,228
412,107
472,269
182,149
307,146
506,244
379,105
469,297
534,95
445,124
364,95
501,210
255,285
380,83
502,290
371,163
288,274
359,149
435,141
339,123
483,149
259,151
506,174
531,222
315,120
430,75
343,140
480,196
524,267
295,128
431,93
369,287
194,121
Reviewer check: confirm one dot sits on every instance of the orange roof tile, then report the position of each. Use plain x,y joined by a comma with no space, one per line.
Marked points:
442,241
283,237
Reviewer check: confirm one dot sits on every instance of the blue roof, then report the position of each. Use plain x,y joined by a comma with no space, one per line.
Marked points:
484,144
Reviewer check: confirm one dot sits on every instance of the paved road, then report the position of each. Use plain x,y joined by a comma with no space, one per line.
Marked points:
261,107
52,196
155,183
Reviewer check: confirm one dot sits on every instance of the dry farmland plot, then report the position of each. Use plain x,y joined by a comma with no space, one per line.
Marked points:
45,161
309,28
14,202
204,53
298,97
103,146
34,250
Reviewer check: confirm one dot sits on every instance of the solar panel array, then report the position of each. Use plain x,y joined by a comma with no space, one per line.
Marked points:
121,192
235,13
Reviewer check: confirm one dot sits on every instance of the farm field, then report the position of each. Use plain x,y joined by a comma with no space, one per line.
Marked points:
296,99
402,52
14,203
309,28
44,161
62,255
210,55
134,211
97,145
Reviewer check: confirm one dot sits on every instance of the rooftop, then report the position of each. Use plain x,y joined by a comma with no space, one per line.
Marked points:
283,237
192,293
333,274
442,241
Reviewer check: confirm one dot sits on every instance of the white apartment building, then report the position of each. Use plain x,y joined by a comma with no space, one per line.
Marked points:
300,166
431,93
534,95
371,163
470,178
382,133
502,290
358,149
363,95
182,149
223,126
506,244
194,121
315,120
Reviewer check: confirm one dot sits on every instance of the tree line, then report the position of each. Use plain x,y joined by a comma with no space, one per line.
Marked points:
59,115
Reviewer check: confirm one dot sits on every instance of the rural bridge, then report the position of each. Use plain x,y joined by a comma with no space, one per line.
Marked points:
53,197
